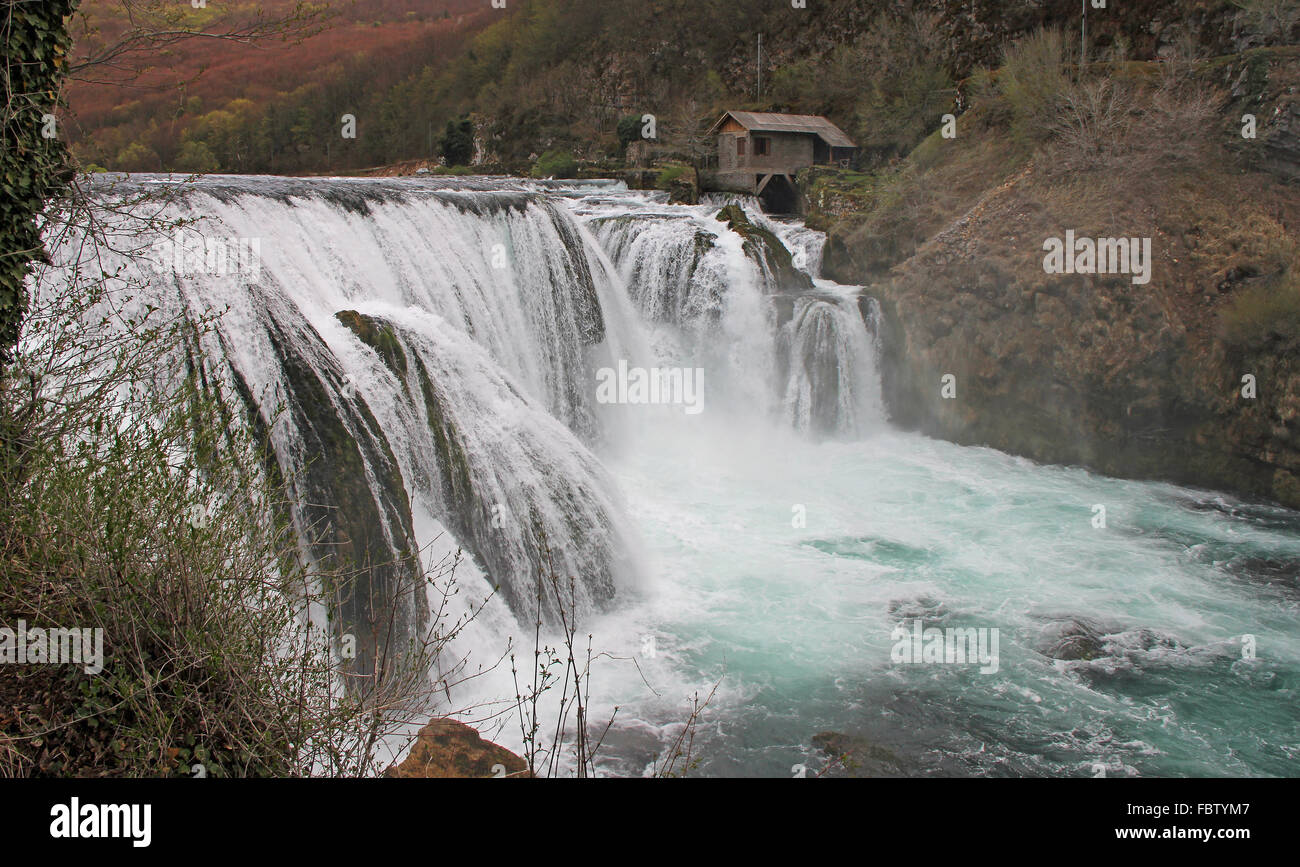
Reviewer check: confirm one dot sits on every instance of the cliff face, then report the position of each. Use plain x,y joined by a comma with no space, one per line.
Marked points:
1192,377
1073,369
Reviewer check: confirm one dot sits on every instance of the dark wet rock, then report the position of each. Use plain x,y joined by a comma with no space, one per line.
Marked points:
1080,639
1281,142
764,247
923,608
1279,573
1255,514
585,302
1071,639
875,549
857,756
587,542
785,304
1143,640
378,335
684,190
1271,566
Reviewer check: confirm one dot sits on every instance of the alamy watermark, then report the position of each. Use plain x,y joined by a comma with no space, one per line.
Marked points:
680,386
189,253
130,821
1100,256
950,645
56,646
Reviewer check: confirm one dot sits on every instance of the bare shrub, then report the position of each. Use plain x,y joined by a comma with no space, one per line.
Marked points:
561,674
1269,21
1092,125
1131,131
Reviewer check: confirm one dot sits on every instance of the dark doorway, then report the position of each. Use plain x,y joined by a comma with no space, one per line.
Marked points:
780,196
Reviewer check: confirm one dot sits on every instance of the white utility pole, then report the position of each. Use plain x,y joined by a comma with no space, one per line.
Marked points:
1083,39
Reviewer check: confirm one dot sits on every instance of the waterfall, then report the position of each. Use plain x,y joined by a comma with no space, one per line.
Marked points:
423,356
434,348
815,352
671,265
831,387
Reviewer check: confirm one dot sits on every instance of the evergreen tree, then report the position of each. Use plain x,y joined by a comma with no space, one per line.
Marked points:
457,142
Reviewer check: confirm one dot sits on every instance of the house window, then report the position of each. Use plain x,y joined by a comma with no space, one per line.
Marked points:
740,146
762,146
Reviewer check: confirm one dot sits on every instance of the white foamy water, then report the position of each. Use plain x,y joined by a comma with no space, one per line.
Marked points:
769,544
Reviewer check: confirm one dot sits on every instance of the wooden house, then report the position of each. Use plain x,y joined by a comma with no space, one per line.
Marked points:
758,149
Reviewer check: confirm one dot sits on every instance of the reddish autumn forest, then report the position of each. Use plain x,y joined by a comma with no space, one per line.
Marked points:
272,104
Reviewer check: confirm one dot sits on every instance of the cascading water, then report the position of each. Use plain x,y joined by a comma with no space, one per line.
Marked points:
831,386
436,345
432,352
805,355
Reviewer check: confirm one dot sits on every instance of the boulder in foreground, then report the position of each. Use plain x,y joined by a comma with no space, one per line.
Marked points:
447,748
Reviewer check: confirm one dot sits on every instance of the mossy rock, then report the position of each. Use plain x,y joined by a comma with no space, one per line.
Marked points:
346,448
379,336
764,247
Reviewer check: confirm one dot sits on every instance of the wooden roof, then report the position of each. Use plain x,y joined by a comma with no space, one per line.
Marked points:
758,121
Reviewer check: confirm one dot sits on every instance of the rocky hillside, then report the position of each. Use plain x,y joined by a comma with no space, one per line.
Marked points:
1192,375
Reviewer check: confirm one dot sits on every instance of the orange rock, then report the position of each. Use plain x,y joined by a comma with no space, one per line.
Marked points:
447,748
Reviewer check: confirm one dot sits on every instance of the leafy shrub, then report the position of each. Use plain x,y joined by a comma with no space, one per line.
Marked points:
889,111
196,157
457,143
34,167
137,157
555,164
1033,79
908,90
629,129
668,175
